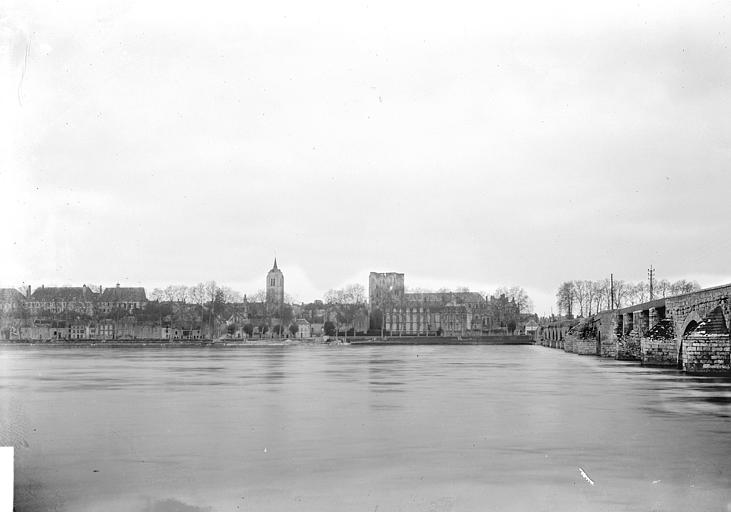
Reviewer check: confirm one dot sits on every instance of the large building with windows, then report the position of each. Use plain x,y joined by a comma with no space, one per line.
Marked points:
397,312
448,314
62,299
122,298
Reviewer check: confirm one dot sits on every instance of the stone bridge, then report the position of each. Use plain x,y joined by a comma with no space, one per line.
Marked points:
689,331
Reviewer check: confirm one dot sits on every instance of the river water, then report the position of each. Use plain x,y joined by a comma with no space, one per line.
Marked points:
318,428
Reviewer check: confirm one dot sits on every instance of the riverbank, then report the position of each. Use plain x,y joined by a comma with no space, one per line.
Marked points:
444,340
156,343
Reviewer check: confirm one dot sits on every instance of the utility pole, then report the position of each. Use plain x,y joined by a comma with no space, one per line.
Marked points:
611,290
651,276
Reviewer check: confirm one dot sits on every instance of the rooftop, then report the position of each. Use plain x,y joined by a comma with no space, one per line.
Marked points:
63,293
124,294
10,295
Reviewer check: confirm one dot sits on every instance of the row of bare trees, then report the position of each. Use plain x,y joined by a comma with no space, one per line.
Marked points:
588,297
350,294
203,293
524,302
200,293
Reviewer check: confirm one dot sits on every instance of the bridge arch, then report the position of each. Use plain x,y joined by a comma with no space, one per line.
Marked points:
691,322
689,325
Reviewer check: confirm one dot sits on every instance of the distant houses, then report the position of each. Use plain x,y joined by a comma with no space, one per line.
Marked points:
120,312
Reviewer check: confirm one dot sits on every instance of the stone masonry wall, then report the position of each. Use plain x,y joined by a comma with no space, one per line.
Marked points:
707,353
585,347
607,327
658,352
581,346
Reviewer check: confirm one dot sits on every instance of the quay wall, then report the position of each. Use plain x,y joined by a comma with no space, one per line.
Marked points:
446,340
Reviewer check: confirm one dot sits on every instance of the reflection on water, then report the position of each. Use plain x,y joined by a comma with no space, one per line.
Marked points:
360,428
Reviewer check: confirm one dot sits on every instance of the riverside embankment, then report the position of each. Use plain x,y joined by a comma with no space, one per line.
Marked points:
157,343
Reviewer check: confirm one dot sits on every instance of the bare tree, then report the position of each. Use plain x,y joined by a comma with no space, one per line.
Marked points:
258,296
210,288
590,292
179,292
663,287
621,289
157,294
682,286
169,293
524,302
642,292
355,294
333,296
565,298
601,294
580,292
230,295
197,294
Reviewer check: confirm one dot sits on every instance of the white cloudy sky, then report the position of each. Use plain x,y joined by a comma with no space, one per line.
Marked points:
463,143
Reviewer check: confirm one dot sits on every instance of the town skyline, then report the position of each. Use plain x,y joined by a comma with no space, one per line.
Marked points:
543,303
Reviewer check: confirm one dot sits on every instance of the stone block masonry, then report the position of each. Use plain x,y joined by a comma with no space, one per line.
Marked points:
585,347
582,346
568,343
707,348
706,353
608,326
659,352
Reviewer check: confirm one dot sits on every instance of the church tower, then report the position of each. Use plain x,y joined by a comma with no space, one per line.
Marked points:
275,286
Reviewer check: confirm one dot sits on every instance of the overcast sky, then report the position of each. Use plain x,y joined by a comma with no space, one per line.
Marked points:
462,143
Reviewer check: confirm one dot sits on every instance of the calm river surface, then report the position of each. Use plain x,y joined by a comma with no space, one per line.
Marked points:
320,428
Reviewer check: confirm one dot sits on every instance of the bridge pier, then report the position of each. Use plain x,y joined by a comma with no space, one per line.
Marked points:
706,348
660,347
